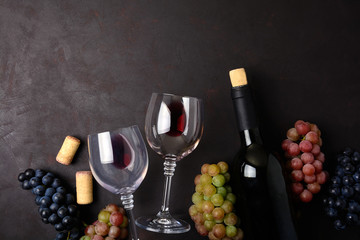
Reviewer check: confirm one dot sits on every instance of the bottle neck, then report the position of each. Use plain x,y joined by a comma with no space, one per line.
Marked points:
245,115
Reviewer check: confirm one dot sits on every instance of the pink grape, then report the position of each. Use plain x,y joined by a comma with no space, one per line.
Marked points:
318,166
320,141
297,175
292,134
114,232
297,187
293,149
302,127
97,237
116,218
219,231
306,196
197,179
305,146
321,177
314,187
112,208
285,144
201,229
90,230
315,150
314,128
312,137
101,228
296,164
307,158
308,169
321,157
309,179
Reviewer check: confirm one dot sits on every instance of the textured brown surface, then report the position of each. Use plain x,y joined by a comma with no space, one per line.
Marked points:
79,67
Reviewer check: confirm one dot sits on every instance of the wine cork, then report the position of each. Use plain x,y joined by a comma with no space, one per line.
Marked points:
84,187
238,77
68,150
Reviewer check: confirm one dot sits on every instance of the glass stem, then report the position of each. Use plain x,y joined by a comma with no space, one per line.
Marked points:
128,203
169,169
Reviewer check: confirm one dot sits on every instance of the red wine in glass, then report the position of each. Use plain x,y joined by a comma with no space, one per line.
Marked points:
177,119
121,151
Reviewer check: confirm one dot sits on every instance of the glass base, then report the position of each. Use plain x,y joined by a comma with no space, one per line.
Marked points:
164,224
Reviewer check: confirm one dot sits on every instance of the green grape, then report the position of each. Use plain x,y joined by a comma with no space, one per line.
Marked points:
104,216
208,216
227,206
218,213
209,190
192,210
228,188
85,238
207,198
230,219
205,179
224,167
209,224
222,191
196,197
213,170
199,206
217,199
199,188
231,197
231,231
227,176
218,180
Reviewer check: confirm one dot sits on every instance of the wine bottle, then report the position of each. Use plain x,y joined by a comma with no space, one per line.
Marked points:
264,206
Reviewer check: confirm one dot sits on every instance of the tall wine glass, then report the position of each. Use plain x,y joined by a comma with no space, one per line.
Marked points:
119,162
173,127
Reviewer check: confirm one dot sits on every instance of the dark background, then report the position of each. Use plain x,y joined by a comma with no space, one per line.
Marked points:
80,67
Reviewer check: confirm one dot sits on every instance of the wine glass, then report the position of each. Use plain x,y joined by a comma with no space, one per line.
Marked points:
119,162
173,127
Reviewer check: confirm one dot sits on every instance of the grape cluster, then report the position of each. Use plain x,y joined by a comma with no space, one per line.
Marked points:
213,204
57,206
111,224
343,202
305,159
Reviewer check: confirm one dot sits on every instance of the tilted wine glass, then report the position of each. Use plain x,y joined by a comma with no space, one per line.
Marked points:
173,127
119,162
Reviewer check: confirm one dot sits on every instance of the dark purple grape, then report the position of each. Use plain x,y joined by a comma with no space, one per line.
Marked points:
68,221
39,190
339,225
331,212
50,191
345,160
356,177
353,206
45,213
54,207
331,202
72,209
336,181
34,182
334,191
348,180
29,173
56,183
61,236
54,218
339,171
62,211
21,177
75,233
61,190
59,227
347,191
349,168
58,198
45,201
39,173
357,187
356,157
47,180
340,203
25,185
37,200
